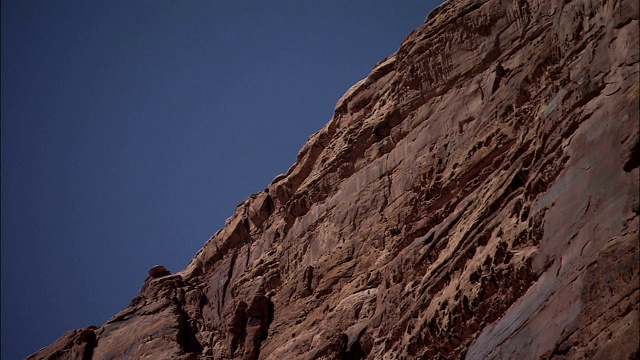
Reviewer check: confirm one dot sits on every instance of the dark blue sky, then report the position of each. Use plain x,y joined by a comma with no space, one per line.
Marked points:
132,129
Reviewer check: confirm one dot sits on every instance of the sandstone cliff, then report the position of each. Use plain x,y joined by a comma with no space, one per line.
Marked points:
475,196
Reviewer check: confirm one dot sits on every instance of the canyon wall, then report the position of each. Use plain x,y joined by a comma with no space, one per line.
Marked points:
475,196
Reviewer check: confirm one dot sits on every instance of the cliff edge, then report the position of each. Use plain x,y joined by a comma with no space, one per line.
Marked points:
475,196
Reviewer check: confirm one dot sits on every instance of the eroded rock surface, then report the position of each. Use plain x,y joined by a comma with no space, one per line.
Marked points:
475,196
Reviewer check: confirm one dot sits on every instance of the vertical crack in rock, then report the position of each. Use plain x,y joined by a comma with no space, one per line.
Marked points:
259,316
237,328
187,334
227,280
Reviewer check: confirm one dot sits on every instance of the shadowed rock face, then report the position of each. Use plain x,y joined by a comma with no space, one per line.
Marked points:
475,196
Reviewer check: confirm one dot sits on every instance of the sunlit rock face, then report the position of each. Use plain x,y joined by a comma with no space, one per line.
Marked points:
475,196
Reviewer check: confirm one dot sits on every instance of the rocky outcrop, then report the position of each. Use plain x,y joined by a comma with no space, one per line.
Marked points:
475,196
75,344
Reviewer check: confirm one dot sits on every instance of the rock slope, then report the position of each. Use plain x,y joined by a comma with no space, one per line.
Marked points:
476,196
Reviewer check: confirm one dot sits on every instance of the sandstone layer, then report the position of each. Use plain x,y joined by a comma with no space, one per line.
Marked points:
476,196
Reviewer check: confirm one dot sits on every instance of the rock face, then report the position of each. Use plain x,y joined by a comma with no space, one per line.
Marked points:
475,196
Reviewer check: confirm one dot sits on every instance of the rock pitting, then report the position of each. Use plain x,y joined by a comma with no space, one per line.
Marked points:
476,196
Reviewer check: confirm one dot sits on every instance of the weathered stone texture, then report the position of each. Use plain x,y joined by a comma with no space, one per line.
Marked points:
476,195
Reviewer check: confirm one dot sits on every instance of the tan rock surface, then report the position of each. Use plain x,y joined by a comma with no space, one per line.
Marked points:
475,196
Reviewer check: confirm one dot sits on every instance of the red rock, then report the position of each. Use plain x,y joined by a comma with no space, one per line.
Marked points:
158,271
75,344
476,195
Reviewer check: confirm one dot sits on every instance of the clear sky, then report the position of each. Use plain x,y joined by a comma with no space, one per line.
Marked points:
132,129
